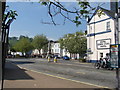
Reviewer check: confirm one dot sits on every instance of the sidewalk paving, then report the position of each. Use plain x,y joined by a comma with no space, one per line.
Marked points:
16,77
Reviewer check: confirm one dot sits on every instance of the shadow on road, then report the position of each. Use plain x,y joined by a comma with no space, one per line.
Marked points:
13,72
22,62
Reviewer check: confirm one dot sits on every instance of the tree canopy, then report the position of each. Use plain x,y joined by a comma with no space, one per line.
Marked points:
23,45
12,42
40,42
55,7
74,43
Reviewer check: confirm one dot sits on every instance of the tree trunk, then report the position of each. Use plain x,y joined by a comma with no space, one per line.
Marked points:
22,53
39,52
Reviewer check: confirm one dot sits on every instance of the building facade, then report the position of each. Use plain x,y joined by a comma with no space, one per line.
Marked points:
55,48
100,34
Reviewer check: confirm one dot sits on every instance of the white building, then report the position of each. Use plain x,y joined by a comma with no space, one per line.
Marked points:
55,48
100,34
37,53
65,53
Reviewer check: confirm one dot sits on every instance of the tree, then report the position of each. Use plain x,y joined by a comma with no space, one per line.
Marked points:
12,42
40,42
74,43
23,45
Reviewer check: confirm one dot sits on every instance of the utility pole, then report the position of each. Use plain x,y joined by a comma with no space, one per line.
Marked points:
117,38
118,31
0,46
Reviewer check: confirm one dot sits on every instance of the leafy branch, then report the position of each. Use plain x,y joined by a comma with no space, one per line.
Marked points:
55,7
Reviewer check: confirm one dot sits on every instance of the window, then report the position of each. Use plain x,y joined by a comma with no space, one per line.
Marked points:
52,50
108,26
101,54
55,50
91,28
55,45
58,45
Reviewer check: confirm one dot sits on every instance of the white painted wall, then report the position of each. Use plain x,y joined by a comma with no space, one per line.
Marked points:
36,52
64,52
97,28
55,49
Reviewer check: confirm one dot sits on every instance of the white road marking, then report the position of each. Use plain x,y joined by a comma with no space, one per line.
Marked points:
71,64
81,72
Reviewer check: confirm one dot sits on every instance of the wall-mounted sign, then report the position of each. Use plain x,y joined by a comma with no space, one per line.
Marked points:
89,51
114,56
103,44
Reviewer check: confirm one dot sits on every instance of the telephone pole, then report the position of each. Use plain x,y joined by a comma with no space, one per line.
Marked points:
117,37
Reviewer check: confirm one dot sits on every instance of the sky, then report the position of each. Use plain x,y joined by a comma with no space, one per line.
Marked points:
30,16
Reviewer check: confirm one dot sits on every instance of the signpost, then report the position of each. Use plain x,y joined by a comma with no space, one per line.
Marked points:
0,46
115,51
115,61
115,55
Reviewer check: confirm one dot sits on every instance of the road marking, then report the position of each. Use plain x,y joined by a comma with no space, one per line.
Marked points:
63,78
80,72
82,63
70,64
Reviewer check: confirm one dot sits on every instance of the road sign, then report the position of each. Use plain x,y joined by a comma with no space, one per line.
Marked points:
115,55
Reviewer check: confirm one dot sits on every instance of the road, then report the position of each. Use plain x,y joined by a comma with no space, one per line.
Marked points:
70,69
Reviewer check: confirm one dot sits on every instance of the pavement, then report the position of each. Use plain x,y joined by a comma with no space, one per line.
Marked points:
18,77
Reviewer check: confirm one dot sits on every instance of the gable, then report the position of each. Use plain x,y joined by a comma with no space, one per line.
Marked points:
105,14
96,18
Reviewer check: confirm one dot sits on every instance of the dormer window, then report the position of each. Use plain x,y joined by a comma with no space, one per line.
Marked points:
108,25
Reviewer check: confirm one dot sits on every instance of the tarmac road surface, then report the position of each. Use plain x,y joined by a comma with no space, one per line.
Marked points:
70,70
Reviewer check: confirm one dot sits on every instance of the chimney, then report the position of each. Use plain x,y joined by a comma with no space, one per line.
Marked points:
114,5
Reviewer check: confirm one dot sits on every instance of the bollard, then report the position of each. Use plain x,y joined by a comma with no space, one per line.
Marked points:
55,60
48,59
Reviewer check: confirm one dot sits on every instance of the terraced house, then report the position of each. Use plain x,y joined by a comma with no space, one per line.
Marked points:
100,34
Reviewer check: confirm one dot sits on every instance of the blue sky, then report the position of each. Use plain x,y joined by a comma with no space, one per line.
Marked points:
29,19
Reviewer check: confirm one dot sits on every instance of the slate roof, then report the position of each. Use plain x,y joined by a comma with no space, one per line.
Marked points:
108,12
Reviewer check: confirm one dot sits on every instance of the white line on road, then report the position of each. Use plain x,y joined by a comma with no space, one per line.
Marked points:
81,72
71,64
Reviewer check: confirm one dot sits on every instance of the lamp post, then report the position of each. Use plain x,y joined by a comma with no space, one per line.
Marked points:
49,48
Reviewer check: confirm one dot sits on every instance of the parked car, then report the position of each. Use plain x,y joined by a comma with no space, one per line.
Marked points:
57,56
66,58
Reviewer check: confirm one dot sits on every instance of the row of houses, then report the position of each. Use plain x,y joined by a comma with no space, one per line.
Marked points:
55,50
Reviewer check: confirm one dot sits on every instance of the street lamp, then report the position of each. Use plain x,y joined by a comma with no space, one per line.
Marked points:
49,48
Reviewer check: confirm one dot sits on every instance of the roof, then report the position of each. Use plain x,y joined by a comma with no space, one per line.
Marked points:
54,41
108,12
